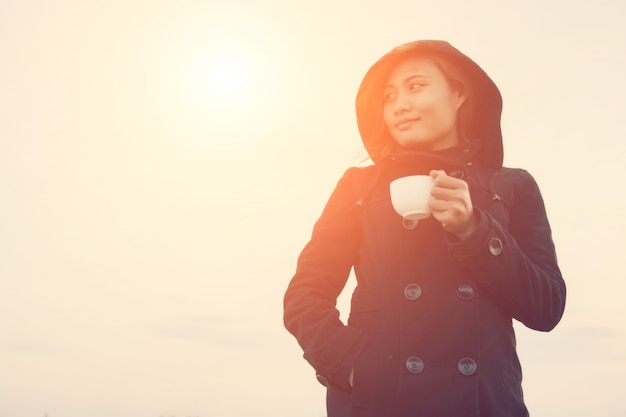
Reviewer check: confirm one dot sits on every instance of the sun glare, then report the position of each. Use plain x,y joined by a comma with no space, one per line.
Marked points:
225,74
227,79
224,80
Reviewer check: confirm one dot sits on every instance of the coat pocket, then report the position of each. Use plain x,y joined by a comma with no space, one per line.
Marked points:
366,312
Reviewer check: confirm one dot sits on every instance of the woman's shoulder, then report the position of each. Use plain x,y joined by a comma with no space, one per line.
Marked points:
517,176
362,169
359,174
505,174
511,183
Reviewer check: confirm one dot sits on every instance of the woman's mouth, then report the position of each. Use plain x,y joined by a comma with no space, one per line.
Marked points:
406,123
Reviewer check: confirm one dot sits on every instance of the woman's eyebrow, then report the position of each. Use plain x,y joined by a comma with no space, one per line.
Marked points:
415,76
408,79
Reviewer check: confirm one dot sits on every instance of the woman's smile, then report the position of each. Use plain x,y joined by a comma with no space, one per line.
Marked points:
406,123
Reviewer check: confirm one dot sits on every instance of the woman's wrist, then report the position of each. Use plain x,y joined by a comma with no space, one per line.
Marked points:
469,228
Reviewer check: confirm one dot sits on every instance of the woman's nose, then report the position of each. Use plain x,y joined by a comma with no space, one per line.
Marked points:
401,105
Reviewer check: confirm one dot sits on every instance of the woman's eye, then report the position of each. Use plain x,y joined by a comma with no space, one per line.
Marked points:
415,86
388,96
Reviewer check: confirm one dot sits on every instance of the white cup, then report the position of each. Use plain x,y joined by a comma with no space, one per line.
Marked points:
410,196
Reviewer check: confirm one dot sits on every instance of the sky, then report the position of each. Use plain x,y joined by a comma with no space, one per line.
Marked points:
162,164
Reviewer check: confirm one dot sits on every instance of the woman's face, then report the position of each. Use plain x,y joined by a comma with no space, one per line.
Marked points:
420,107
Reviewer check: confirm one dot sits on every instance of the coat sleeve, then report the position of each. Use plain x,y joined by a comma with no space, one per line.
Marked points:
323,267
518,265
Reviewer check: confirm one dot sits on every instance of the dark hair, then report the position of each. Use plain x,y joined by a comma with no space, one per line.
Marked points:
460,82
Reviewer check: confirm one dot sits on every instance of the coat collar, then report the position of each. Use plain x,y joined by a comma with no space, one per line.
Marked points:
419,162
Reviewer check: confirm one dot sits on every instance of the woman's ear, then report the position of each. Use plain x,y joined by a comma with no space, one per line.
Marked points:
460,97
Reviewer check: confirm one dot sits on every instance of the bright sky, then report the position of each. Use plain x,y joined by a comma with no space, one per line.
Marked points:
162,164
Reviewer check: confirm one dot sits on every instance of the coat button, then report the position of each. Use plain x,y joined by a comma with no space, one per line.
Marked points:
412,292
322,380
465,292
414,365
409,224
495,246
467,366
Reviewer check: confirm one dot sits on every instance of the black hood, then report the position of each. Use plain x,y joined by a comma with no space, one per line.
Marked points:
482,126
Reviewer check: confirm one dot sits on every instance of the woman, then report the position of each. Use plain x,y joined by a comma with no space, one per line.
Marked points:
430,329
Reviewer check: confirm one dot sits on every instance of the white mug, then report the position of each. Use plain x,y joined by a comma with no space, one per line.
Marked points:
410,196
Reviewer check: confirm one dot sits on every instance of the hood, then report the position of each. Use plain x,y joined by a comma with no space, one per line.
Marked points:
481,126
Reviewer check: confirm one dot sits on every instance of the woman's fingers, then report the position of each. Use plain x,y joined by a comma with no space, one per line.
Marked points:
451,203
448,188
442,182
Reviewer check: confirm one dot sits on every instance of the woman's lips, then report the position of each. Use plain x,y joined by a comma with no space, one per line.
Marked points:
406,123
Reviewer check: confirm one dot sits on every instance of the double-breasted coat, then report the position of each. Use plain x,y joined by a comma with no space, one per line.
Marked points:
430,331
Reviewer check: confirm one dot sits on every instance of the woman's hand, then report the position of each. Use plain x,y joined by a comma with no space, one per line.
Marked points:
452,205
